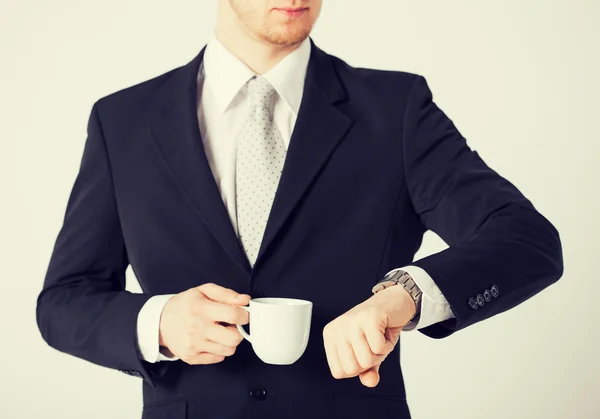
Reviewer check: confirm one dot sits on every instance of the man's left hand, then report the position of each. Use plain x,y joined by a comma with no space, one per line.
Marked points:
358,341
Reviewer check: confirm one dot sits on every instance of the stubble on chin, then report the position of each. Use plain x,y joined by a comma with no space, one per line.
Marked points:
283,36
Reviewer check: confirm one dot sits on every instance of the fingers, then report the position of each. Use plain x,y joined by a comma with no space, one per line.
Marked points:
363,351
376,341
348,359
216,348
356,348
219,312
347,356
356,356
222,304
223,295
218,342
333,360
370,378
225,335
204,358
192,322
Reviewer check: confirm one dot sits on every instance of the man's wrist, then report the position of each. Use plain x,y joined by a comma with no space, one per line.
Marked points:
397,304
405,288
400,297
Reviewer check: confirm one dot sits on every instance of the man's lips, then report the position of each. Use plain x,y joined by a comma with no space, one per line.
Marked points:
293,12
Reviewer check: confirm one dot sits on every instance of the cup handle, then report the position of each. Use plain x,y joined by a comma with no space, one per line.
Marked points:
241,328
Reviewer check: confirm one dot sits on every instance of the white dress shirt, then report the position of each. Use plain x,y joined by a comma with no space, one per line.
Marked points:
222,111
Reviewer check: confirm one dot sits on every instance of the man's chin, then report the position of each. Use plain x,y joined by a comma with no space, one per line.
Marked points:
286,38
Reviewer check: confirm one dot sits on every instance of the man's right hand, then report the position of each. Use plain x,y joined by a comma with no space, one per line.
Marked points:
191,323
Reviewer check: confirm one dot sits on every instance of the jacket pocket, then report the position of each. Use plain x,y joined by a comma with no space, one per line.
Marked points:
360,406
169,410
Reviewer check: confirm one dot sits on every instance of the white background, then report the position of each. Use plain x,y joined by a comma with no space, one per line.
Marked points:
518,78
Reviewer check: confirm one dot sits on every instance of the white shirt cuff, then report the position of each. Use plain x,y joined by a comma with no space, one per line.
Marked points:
148,326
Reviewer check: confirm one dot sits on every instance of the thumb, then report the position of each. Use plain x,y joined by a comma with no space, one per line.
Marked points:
223,295
370,377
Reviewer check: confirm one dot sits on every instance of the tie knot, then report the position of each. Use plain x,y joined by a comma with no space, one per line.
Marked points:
260,92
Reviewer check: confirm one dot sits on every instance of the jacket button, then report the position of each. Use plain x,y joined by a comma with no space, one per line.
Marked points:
473,303
259,393
487,295
480,300
495,291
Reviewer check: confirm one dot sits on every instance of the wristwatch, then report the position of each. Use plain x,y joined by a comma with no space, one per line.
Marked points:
400,277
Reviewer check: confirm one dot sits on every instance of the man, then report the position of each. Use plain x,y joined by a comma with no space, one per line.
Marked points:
267,167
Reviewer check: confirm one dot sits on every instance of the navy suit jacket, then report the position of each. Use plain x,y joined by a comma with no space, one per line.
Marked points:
372,164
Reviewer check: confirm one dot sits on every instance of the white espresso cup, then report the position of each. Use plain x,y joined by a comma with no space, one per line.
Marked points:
279,328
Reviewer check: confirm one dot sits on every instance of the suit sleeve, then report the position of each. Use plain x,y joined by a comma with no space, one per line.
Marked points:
501,251
83,308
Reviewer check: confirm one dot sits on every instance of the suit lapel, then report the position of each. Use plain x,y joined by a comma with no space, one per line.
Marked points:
320,126
174,126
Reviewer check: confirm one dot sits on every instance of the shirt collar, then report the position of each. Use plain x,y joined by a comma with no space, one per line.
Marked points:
226,74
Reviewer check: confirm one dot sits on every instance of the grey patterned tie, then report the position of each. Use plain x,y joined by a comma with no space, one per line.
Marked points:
259,163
